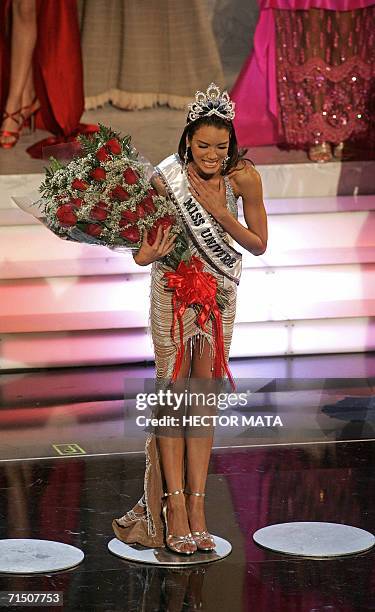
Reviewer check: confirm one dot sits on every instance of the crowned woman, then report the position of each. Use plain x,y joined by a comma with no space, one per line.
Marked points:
191,333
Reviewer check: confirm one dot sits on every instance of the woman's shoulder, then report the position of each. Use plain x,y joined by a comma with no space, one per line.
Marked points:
244,177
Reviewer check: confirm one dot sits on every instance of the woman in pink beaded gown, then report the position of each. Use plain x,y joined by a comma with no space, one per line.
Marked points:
309,82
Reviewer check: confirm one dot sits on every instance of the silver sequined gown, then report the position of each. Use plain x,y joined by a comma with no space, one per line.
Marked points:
143,523
161,309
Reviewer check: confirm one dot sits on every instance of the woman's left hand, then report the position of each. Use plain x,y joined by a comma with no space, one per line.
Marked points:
213,200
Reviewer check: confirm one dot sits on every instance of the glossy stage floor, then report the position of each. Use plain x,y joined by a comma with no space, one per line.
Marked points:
71,460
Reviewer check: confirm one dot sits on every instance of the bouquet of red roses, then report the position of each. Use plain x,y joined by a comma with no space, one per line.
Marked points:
103,195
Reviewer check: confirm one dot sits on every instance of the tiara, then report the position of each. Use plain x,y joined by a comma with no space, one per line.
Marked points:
213,102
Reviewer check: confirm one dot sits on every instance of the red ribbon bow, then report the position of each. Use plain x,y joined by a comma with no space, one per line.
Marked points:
193,286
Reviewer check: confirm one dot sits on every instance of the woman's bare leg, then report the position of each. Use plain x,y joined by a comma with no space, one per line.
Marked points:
28,93
198,449
24,35
172,450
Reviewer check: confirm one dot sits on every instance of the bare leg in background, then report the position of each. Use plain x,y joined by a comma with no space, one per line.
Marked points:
24,35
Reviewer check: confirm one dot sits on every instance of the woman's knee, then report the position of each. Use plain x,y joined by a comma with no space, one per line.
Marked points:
201,359
24,10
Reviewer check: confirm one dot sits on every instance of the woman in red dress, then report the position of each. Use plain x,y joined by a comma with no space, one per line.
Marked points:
41,69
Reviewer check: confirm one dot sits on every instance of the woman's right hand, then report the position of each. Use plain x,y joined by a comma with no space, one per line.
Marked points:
162,246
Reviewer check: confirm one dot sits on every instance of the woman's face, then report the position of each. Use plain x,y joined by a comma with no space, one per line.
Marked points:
209,147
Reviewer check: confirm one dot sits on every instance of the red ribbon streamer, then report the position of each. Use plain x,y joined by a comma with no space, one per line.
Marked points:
193,286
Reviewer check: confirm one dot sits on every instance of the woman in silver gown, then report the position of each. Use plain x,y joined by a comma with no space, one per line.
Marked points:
204,181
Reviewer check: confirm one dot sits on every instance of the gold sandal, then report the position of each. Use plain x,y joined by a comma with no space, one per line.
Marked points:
203,539
321,153
175,542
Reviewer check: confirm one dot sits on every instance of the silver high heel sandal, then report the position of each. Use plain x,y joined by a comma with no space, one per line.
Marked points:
320,153
175,542
203,539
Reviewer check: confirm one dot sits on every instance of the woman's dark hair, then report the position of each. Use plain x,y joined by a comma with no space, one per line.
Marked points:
234,153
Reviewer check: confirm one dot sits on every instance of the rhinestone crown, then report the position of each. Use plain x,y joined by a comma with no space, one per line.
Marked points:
213,102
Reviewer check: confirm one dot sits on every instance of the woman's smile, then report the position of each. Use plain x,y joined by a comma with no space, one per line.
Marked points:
209,163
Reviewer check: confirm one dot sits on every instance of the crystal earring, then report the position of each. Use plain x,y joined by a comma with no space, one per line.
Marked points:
225,162
186,158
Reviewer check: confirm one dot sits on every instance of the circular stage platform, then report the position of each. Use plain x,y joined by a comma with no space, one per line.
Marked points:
314,539
29,556
164,556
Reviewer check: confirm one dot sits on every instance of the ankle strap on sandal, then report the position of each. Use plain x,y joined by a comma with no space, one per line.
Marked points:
194,493
173,493
14,116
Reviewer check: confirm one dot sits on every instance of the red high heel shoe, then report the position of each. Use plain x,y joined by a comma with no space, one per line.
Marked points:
19,119
29,113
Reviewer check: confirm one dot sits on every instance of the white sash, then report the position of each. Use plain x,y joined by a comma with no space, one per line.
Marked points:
200,224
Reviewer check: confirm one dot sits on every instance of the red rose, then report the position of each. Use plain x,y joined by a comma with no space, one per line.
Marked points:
152,192
131,233
151,237
98,213
66,215
98,174
76,202
102,204
118,193
93,230
114,146
141,210
130,176
165,221
130,216
79,184
148,204
102,154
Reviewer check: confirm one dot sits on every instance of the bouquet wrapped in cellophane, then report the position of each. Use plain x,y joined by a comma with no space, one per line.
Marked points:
104,196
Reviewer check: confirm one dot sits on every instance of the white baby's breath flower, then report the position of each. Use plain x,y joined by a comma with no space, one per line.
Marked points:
98,196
